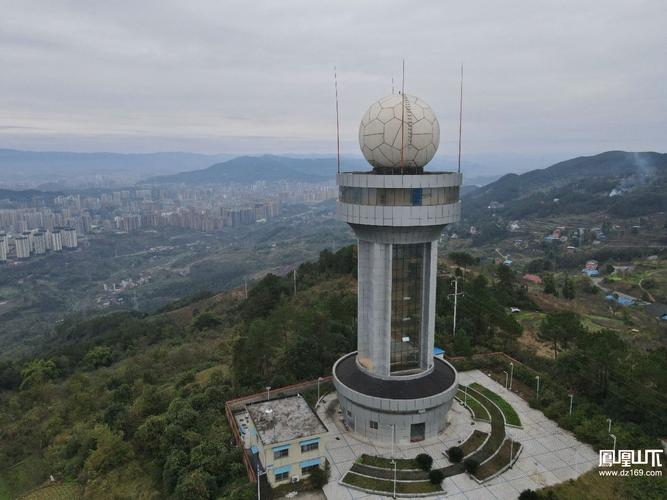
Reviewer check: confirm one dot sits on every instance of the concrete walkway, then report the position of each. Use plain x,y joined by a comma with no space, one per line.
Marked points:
551,455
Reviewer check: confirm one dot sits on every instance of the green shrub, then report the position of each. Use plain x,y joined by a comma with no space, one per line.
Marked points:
425,461
471,465
455,454
436,476
529,495
318,478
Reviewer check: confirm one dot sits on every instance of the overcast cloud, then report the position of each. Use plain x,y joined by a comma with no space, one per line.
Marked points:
237,77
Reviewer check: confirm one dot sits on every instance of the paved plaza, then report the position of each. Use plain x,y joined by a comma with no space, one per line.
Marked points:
550,454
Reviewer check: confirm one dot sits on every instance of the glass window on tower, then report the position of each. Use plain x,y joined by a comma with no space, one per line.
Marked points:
406,306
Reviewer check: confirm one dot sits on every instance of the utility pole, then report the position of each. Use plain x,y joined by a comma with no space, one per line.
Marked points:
456,297
319,379
571,399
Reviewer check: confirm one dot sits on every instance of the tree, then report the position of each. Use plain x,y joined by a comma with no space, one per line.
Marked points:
436,476
462,344
529,495
603,352
550,284
462,259
455,454
560,328
425,461
98,356
568,288
471,465
174,466
193,486
110,451
318,478
37,372
205,321
505,278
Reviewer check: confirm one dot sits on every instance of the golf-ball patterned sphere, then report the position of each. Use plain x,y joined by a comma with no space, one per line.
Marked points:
380,132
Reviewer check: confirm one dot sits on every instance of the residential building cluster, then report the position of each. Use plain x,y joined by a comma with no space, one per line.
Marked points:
48,223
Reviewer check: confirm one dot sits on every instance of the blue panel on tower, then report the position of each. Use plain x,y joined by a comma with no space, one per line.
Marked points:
416,197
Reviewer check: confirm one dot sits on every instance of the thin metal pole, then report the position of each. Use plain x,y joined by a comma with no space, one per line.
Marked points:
511,374
537,395
456,301
259,489
337,123
460,118
318,388
294,281
402,114
609,428
571,399
393,440
507,376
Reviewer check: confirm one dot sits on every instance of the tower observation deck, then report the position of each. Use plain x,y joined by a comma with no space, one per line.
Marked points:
392,387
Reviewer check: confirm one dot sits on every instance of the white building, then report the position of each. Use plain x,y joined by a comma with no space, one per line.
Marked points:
287,437
69,237
3,249
22,247
4,246
56,241
39,242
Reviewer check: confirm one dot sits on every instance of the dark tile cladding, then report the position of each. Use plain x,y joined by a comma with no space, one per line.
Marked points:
440,379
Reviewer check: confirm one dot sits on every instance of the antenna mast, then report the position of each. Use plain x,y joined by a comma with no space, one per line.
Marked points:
402,114
460,118
337,123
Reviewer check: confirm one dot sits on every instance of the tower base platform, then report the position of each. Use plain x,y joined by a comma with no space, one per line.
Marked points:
396,409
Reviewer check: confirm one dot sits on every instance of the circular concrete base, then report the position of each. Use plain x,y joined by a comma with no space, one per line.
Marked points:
400,411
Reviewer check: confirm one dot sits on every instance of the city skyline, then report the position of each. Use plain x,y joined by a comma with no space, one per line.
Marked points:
556,78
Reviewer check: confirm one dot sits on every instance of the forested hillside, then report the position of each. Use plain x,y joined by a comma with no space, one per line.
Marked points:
624,184
132,405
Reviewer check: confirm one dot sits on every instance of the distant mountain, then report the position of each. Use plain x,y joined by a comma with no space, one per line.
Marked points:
249,169
8,195
66,167
623,183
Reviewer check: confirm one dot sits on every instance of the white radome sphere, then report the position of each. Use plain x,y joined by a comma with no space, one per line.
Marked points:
380,137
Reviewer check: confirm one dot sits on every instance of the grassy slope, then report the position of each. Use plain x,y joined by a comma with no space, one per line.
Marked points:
510,414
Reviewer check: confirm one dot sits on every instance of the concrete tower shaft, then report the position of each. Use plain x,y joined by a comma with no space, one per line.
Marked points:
392,388
397,220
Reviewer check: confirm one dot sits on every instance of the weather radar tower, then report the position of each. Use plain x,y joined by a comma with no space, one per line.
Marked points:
393,388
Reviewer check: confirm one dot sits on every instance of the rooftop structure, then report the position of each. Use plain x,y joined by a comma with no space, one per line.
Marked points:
286,438
284,419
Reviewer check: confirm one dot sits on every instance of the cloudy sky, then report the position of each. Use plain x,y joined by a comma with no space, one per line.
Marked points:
548,77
